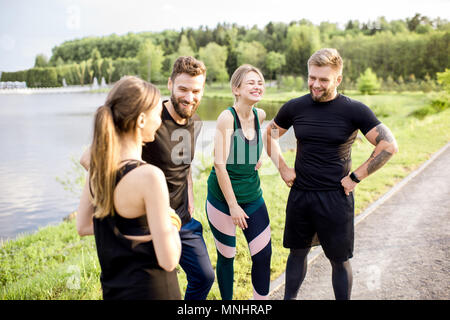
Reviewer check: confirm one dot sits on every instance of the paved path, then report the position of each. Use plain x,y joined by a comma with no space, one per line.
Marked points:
402,248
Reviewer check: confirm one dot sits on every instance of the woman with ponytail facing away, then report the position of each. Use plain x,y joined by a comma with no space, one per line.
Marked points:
125,201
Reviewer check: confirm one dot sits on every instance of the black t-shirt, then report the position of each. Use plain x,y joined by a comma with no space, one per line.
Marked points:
325,132
173,151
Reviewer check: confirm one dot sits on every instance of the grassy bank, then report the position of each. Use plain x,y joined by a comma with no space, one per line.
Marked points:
54,263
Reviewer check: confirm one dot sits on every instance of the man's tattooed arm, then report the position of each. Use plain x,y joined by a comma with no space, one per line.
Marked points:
383,134
375,162
378,161
385,147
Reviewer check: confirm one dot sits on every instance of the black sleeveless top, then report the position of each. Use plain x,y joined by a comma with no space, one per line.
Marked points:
129,269
131,227
173,151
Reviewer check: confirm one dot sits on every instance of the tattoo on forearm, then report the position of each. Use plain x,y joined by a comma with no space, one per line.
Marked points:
378,161
383,134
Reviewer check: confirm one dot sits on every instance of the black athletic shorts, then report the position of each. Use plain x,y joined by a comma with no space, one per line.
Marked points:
330,214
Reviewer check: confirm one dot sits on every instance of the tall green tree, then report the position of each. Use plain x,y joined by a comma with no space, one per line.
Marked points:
184,49
41,61
253,53
231,44
124,67
274,63
96,61
89,73
150,59
80,71
108,69
302,42
275,39
215,56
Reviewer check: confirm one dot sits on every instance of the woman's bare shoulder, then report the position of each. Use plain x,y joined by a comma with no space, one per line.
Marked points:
146,175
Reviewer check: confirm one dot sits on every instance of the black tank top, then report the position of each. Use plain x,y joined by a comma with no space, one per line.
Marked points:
131,227
130,269
173,151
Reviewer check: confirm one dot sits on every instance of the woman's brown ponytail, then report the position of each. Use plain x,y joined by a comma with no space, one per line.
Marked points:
104,161
129,97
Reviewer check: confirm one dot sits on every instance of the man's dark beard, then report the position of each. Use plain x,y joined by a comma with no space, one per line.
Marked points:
183,113
324,97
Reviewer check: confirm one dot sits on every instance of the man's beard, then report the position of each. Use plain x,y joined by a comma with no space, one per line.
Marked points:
181,111
325,96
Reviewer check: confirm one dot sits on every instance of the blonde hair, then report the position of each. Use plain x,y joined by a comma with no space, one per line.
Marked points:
327,57
239,75
129,97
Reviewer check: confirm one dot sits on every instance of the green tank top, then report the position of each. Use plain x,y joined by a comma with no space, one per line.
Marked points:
241,161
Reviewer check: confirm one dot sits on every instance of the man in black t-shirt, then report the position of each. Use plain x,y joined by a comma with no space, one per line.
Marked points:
321,201
173,151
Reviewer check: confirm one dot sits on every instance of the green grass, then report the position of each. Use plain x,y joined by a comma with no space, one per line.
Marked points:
54,263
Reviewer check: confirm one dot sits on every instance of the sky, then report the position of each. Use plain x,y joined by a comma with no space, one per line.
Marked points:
28,27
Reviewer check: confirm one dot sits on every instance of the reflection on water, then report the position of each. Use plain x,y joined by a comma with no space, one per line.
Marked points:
39,134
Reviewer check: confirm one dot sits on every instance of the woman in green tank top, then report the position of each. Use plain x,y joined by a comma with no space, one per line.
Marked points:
234,192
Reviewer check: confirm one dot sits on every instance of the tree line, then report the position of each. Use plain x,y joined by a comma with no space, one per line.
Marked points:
397,51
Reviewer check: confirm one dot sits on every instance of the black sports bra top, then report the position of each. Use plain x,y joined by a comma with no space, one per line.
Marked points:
135,226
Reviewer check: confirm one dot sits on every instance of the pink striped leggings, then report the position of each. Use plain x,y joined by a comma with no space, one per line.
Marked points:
259,243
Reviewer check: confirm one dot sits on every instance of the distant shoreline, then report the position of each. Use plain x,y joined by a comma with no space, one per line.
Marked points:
68,89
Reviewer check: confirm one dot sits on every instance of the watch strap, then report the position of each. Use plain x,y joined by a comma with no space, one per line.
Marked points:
354,177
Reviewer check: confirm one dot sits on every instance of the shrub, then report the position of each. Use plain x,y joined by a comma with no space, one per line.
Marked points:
440,103
368,82
444,79
292,83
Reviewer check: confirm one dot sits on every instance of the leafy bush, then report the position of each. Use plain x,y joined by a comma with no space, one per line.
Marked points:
292,83
440,103
368,82
444,79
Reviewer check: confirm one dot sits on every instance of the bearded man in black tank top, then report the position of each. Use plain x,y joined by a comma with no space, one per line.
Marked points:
321,198
173,151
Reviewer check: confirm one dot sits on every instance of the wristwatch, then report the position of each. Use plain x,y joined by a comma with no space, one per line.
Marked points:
354,177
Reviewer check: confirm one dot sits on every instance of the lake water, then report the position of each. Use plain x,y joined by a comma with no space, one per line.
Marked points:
41,135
